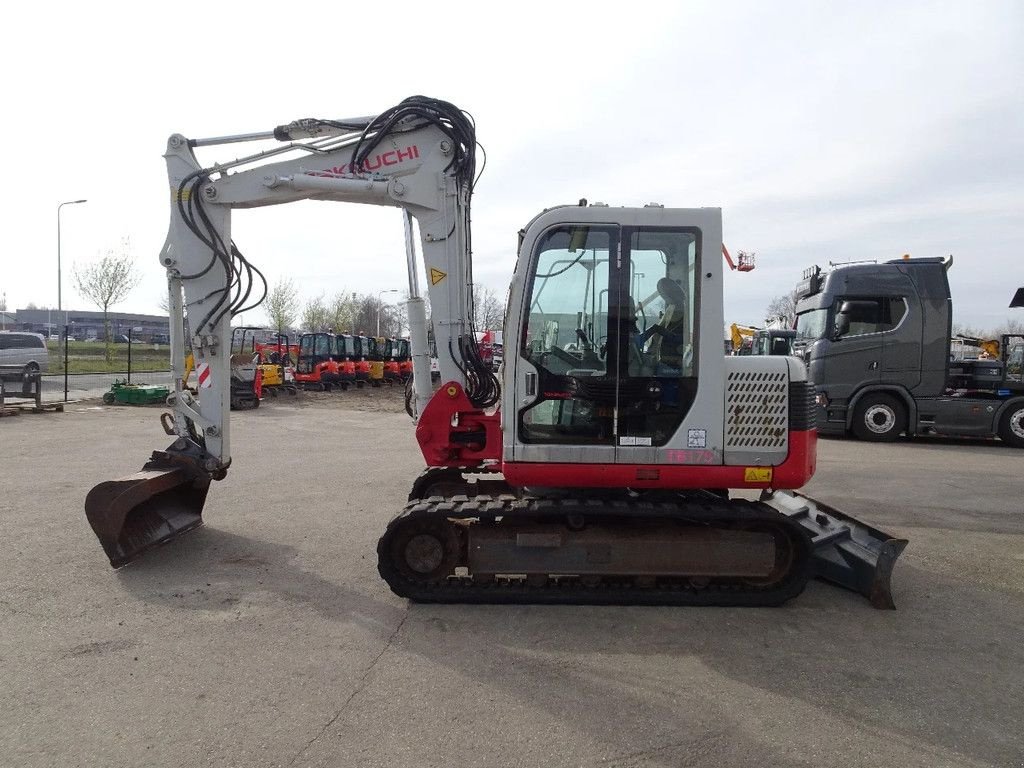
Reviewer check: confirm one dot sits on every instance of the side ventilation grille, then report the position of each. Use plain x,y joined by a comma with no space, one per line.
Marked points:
803,407
756,413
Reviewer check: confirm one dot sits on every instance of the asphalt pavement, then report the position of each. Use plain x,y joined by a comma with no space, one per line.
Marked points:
267,638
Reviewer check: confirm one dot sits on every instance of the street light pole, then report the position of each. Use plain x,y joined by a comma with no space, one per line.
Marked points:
379,294
59,303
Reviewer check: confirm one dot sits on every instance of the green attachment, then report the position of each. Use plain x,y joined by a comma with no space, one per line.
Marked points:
135,394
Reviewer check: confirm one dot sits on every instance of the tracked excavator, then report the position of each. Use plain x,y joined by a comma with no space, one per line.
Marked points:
603,468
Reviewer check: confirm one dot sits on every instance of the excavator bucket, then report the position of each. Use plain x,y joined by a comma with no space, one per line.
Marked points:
846,552
134,513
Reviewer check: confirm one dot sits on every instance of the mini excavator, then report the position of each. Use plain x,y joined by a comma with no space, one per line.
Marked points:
598,470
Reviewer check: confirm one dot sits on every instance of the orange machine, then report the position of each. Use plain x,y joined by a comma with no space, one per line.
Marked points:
316,367
343,356
404,358
370,354
392,369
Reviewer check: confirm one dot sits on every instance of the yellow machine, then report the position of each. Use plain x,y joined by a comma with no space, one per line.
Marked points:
273,373
372,355
741,334
990,347
969,347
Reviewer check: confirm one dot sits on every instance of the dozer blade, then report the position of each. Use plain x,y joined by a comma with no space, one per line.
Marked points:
151,507
846,552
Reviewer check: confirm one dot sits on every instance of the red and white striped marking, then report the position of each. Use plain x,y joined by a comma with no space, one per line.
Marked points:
203,373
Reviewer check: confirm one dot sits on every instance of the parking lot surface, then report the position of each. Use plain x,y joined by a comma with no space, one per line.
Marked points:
268,639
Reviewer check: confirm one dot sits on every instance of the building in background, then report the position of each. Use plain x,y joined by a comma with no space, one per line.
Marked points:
84,325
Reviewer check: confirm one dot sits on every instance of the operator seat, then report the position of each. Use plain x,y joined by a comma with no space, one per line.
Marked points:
668,336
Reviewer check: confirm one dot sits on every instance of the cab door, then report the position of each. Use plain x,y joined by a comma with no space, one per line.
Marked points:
307,357
606,365
566,363
855,350
902,349
657,328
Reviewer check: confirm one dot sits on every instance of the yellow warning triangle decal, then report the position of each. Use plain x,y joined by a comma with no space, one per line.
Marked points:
436,276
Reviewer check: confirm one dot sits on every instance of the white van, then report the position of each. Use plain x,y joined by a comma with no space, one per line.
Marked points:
24,349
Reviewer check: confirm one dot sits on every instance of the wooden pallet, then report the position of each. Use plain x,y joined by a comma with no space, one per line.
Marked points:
13,409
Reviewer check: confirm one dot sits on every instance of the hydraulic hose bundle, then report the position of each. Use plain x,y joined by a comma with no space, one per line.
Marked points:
238,269
482,385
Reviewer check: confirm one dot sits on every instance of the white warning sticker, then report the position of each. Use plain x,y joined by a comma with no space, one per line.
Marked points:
634,441
697,438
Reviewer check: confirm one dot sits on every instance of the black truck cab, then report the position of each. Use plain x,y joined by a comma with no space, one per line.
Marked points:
876,342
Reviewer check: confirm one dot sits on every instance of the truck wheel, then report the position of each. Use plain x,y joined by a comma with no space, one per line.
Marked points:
1011,426
879,418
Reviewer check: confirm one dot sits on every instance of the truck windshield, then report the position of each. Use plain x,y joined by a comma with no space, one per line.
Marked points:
810,325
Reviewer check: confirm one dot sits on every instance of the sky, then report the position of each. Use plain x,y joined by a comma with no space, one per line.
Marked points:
827,132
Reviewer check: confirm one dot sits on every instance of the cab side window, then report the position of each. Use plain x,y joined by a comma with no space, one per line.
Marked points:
860,316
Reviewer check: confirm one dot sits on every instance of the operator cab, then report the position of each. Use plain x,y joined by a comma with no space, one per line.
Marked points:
314,348
316,365
388,351
360,352
344,358
404,358
610,330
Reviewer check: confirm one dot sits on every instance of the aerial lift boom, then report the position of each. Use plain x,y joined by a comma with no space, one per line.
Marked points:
603,476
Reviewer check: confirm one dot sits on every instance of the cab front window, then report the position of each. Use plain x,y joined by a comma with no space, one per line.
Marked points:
810,325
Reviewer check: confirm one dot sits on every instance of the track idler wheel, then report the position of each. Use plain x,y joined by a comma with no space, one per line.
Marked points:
426,552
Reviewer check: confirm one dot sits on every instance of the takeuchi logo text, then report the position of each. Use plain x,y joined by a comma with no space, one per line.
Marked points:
371,164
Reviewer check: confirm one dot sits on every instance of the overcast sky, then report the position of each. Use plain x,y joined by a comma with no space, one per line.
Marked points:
826,131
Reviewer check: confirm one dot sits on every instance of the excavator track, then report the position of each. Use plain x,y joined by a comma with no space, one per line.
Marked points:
503,549
455,481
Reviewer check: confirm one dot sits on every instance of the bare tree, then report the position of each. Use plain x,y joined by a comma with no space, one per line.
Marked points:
316,317
342,311
164,302
1012,325
959,329
399,314
108,282
282,304
784,308
396,317
364,313
488,311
